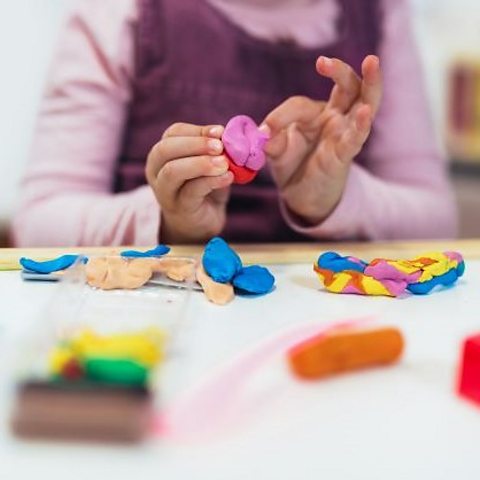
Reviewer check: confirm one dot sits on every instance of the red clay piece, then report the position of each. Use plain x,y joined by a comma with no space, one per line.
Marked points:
241,175
469,381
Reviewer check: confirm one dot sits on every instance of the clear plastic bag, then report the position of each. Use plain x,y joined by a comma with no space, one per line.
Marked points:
76,306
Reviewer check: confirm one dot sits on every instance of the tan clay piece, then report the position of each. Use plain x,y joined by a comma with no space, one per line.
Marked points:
218,293
177,269
109,273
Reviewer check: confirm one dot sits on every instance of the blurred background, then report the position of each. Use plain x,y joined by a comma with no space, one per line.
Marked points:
448,34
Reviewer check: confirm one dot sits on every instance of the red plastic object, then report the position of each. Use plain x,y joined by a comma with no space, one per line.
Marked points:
469,382
241,175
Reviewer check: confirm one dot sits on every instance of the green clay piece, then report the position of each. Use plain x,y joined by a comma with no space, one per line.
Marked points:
116,371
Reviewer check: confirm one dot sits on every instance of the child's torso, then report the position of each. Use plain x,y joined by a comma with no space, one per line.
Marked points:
194,65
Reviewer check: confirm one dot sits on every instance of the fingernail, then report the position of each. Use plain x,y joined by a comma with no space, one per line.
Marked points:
215,146
216,131
327,62
264,128
219,161
228,177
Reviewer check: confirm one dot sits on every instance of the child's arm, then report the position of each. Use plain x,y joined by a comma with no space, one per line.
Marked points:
66,194
403,192
313,143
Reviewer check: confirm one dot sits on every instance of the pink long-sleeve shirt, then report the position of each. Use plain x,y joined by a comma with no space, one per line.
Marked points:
67,194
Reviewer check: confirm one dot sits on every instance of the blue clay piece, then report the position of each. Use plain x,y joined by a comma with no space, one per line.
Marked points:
336,263
445,280
51,266
158,251
221,262
254,280
460,269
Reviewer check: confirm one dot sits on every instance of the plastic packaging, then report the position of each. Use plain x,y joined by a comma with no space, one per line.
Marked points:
122,337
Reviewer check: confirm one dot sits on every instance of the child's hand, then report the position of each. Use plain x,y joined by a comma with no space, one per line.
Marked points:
190,176
313,143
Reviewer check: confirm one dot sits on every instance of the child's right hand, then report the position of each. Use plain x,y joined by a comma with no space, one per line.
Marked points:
190,179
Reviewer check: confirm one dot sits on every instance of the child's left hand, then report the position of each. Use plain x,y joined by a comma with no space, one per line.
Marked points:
313,143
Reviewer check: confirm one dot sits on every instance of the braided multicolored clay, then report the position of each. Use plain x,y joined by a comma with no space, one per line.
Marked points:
389,277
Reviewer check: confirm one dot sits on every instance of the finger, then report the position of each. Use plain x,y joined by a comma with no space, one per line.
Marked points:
347,82
298,109
372,84
176,173
357,133
172,148
288,163
193,193
190,130
277,144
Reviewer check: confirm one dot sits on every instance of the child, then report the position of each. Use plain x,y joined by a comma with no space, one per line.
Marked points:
143,89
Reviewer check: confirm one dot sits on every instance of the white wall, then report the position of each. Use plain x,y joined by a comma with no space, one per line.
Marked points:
445,29
28,29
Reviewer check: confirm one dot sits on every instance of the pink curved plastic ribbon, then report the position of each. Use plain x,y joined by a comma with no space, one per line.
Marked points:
207,405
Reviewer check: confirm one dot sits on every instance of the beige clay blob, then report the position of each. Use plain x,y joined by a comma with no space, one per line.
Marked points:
177,269
218,293
109,273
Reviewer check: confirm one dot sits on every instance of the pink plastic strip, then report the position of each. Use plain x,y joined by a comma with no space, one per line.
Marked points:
210,400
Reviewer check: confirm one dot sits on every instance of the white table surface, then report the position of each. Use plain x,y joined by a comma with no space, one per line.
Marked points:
404,422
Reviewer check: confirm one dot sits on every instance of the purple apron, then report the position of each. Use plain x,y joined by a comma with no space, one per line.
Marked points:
194,65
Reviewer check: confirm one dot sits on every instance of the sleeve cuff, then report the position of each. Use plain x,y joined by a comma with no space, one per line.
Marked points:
340,224
147,225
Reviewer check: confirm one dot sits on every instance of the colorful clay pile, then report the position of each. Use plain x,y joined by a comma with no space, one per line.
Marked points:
120,359
222,273
389,277
244,143
66,261
98,388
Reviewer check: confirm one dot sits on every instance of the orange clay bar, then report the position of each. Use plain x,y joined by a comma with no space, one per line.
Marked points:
345,350
218,293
